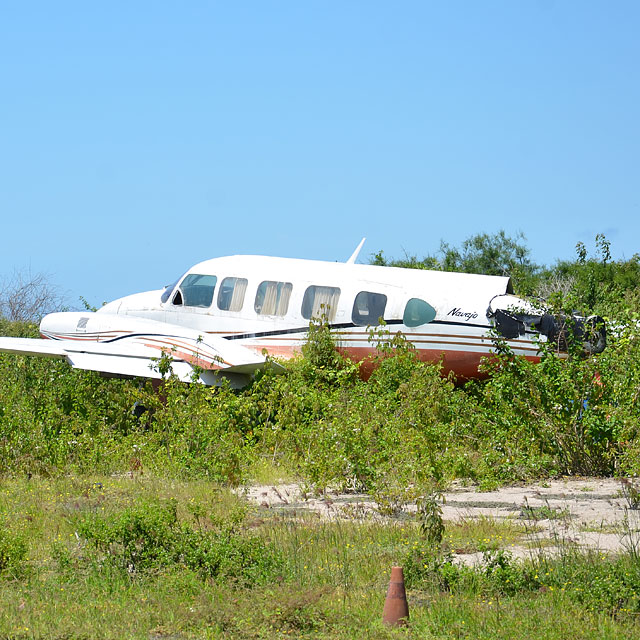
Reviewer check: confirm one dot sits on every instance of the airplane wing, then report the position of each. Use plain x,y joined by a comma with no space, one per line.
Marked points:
191,355
31,347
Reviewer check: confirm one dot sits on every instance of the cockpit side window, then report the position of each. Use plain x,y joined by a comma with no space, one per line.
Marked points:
231,294
195,290
368,308
417,312
166,294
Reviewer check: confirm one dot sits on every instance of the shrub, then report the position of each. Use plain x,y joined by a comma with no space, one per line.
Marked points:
149,537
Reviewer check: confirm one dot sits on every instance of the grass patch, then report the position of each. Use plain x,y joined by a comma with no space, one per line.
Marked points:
543,512
266,470
617,528
134,557
469,535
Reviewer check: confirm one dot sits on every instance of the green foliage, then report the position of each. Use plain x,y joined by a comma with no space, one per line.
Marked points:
537,419
430,517
562,416
395,435
590,283
400,434
54,418
630,492
543,512
594,283
211,572
429,568
611,585
381,435
322,363
408,262
150,537
497,254
201,432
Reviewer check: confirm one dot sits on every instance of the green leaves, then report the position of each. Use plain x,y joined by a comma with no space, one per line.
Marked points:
150,537
397,435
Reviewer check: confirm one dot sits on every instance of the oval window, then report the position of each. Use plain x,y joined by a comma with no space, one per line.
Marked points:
417,312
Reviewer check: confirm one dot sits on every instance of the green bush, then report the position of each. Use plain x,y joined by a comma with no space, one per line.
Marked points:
400,434
595,582
149,537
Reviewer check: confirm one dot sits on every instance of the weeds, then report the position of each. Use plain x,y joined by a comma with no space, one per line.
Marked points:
430,518
150,537
543,512
142,565
630,492
13,552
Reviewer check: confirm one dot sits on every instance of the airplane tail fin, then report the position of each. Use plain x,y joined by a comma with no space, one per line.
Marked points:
355,254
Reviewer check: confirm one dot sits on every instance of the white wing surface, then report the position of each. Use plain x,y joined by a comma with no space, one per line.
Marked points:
134,347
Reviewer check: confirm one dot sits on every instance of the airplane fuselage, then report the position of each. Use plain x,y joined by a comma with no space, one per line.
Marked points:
265,303
219,319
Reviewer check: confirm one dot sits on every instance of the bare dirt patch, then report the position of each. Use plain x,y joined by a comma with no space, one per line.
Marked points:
590,513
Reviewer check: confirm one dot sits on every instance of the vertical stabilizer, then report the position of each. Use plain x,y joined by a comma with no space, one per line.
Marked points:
354,255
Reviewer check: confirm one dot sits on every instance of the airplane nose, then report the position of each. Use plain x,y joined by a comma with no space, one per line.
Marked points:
64,322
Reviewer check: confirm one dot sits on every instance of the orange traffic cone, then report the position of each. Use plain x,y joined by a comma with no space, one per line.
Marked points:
396,609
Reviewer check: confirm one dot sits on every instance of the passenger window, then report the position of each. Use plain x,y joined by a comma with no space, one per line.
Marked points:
418,312
272,298
196,291
320,300
231,294
368,307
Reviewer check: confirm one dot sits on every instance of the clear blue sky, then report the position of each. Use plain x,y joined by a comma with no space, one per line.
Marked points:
137,138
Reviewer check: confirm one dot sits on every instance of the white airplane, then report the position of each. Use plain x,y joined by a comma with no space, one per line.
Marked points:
222,316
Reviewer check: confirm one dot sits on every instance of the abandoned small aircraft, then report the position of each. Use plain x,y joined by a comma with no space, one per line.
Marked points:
222,316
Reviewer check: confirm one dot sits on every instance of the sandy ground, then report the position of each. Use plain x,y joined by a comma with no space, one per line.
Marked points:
588,512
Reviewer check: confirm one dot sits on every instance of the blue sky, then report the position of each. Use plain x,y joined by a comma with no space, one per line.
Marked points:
137,138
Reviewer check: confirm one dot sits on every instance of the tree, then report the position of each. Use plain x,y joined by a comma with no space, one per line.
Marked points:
497,254
27,297
408,262
592,282
493,255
